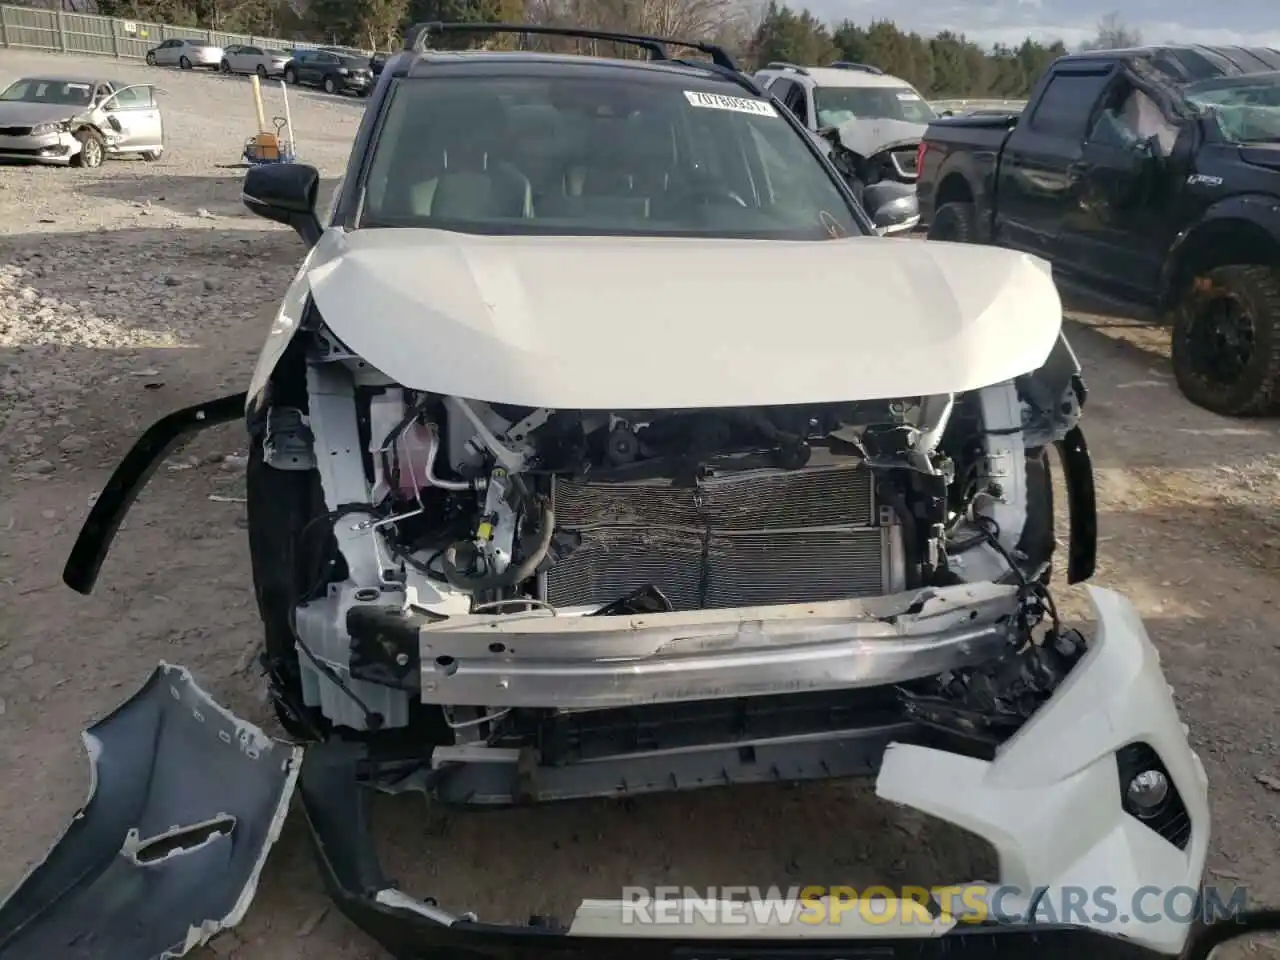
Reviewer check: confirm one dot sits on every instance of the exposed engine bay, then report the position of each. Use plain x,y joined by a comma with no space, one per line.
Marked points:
434,526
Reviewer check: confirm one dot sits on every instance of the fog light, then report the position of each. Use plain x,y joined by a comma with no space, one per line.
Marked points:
1147,792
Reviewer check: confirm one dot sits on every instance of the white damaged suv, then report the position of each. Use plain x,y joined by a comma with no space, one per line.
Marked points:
601,447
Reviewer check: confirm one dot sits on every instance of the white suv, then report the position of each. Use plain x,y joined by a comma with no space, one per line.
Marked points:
829,96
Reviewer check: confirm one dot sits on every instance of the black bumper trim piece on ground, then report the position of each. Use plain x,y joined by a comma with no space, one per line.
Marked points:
1082,505
129,478
338,810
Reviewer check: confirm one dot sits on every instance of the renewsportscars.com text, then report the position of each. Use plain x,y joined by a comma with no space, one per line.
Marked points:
973,903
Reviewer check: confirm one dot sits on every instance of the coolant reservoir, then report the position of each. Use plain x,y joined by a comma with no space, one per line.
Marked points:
413,452
410,453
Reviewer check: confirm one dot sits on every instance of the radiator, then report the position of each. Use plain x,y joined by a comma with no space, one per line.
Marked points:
755,537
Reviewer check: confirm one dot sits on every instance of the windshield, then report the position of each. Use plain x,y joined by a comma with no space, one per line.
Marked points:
837,105
592,156
1246,110
69,93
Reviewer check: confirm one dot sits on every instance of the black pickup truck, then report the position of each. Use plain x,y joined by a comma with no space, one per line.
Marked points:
1150,179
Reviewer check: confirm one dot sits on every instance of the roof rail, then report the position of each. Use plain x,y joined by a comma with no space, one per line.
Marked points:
417,35
850,65
783,65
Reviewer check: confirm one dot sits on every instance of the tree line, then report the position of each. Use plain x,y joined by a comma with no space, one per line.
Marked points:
946,64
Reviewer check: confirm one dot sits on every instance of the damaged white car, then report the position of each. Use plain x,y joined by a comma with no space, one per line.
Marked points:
600,447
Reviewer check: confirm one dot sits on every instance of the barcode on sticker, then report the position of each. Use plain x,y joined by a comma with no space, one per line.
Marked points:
718,101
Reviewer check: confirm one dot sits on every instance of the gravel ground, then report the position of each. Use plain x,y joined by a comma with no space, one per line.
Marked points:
138,288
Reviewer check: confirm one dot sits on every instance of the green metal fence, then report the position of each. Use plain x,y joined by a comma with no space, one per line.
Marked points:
58,32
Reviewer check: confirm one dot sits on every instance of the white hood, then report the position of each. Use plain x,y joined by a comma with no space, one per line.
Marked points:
648,323
866,136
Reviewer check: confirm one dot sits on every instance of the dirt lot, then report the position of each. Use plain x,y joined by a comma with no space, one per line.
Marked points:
136,289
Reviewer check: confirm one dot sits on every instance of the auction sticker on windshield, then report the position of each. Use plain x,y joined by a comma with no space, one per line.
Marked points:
718,101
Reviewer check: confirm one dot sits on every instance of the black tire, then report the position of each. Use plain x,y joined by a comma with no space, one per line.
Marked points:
329,86
956,222
93,149
290,77
1226,346
262,72
279,505
184,63
224,67
151,58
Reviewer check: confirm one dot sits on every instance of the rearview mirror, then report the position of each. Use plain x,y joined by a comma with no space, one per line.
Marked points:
285,193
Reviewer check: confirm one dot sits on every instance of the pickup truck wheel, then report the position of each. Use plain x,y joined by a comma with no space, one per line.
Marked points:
957,222
1226,341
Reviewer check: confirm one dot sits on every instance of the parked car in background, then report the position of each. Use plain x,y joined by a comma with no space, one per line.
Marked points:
1150,179
186,54
829,96
332,71
78,121
263,61
378,61
870,124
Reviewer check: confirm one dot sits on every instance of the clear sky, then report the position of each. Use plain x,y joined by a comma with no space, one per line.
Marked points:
1252,22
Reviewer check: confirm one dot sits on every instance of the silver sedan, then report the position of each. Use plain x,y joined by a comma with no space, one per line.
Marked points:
263,61
78,121
186,54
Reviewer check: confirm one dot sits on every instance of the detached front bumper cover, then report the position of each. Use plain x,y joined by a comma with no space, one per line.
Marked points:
1050,803
185,802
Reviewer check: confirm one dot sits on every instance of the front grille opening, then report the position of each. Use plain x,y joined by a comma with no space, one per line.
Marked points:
757,537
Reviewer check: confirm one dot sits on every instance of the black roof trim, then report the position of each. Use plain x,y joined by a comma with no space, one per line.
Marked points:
530,63
1187,63
850,65
417,36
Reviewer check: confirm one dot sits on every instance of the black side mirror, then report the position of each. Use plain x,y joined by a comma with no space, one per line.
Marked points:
285,193
892,206
829,133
